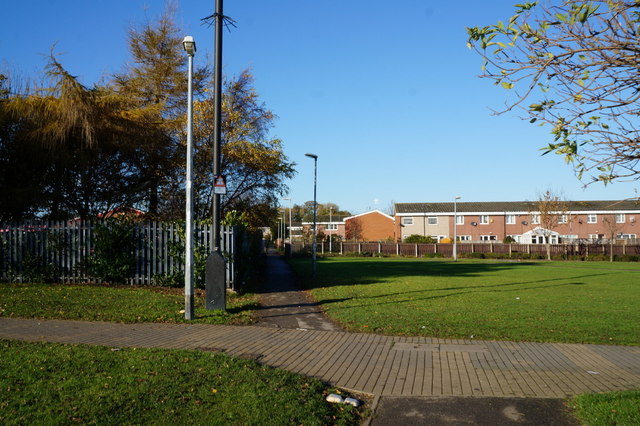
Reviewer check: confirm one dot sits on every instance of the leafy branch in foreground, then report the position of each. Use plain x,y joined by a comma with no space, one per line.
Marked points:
574,66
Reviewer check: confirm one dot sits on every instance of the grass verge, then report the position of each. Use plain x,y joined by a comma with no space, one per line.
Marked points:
116,303
570,302
613,408
62,384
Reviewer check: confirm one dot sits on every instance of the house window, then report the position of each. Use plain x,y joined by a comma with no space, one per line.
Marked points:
407,221
332,227
488,238
535,219
627,236
464,237
432,220
484,220
511,219
592,218
596,237
562,218
620,218
459,220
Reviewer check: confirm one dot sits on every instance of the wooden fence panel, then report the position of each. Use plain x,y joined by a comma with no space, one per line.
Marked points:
513,250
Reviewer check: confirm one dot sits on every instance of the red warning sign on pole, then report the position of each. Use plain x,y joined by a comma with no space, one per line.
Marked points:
220,185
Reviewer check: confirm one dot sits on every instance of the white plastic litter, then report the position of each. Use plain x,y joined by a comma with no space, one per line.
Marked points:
335,398
352,401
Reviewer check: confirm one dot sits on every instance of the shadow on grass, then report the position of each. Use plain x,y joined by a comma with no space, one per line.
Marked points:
401,297
364,272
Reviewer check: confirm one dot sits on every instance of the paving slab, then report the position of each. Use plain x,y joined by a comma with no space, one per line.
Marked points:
379,365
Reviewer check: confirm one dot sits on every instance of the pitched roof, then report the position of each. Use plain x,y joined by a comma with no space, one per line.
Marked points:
369,212
513,206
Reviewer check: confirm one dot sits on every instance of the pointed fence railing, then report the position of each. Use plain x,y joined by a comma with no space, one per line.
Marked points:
60,251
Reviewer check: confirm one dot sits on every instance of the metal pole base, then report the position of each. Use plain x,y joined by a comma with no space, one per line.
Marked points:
215,286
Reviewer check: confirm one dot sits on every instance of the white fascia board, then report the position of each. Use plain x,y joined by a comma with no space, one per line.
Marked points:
369,212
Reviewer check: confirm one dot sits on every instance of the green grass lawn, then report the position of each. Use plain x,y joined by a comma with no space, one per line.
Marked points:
119,304
66,384
613,408
572,302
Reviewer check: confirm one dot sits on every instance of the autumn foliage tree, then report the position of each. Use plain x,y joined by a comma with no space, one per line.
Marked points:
253,162
69,150
155,84
573,65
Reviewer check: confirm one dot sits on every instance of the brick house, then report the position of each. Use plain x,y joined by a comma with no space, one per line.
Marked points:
373,226
493,221
326,225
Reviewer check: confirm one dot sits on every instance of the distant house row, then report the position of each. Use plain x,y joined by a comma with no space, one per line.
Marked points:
486,221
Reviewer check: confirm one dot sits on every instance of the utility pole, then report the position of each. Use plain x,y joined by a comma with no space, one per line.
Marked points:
215,277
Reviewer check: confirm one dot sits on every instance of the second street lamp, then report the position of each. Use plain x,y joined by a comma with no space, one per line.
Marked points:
289,198
315,212
455,229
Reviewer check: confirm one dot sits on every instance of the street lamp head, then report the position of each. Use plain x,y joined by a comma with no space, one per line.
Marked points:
315,157
457,198
189,45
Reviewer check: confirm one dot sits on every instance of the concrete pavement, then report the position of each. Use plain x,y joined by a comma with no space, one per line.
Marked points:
374,364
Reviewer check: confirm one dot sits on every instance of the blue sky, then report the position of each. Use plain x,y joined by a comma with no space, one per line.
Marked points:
385,93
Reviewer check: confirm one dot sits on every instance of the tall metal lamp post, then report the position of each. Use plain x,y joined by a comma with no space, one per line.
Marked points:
455,229
331,225
190,47
315,212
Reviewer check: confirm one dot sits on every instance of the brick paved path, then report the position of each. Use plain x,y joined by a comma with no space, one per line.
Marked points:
380,365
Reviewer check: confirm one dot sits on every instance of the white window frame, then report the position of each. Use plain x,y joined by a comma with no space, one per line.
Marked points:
626,236
620,218
459,220
510,219
488,238
592,218
484,219
563,218
464,237
535,218
407,221
332,227
432,220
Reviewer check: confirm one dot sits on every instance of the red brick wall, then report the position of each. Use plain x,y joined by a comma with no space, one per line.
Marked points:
376,226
